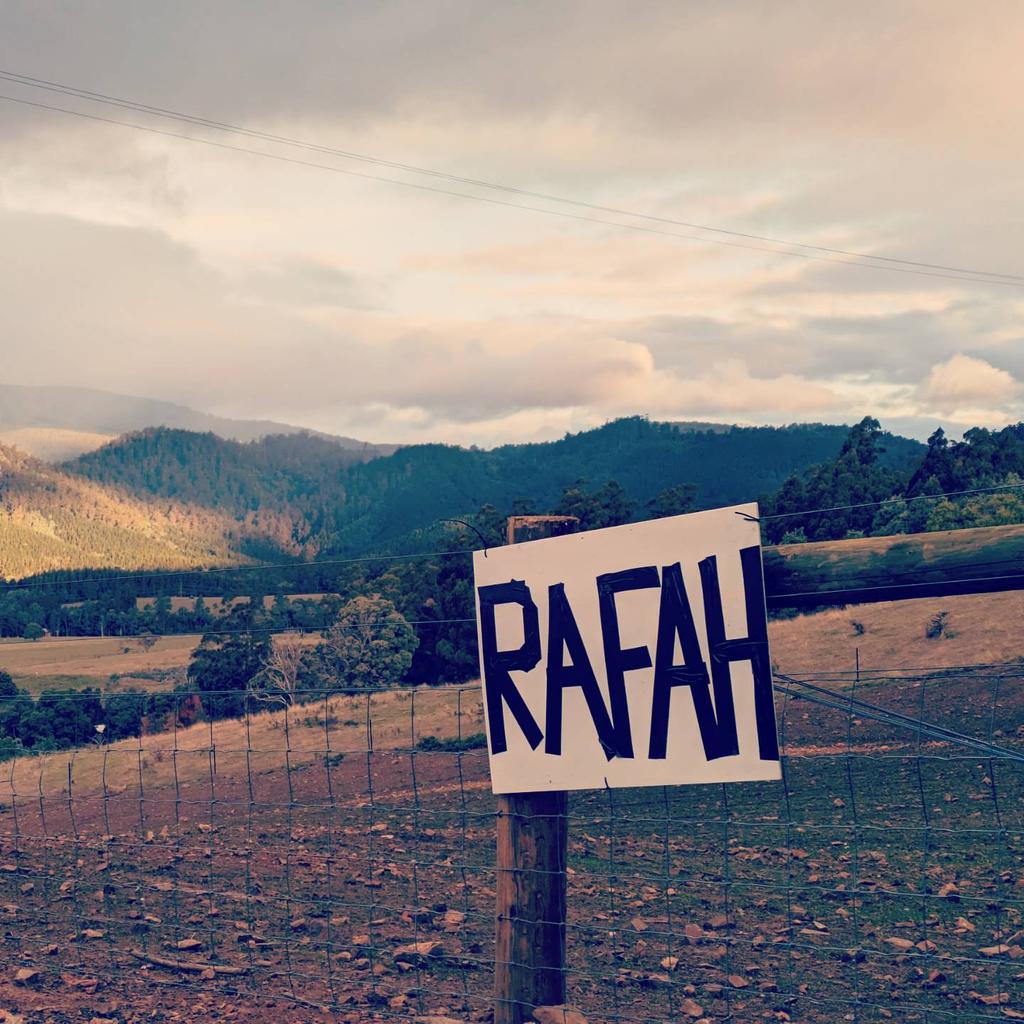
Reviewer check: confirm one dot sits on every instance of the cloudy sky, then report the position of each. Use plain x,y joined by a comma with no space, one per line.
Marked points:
248,286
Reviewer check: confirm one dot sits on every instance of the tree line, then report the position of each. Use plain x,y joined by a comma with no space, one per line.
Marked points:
385,622
859,495
368,645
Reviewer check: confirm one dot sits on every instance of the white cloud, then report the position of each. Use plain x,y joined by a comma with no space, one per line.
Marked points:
963,381
252,287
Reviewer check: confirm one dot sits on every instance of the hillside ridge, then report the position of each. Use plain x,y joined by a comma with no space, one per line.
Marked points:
101,415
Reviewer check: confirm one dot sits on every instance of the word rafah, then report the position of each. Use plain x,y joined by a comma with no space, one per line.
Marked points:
716,720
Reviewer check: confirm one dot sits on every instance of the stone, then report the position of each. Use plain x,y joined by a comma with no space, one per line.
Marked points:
558,1015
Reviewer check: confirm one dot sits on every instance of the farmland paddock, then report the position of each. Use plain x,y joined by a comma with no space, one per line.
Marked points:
343,858
340,854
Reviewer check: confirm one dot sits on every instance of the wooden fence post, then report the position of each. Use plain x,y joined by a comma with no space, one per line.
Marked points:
529,957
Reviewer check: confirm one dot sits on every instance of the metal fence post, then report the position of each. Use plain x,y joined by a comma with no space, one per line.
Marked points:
532,833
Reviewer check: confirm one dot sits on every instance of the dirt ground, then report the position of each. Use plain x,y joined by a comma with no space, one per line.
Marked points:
250,881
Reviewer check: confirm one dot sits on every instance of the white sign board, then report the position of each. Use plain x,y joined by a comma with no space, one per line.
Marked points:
632,656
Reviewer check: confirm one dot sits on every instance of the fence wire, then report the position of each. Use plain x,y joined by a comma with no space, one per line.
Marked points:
335,859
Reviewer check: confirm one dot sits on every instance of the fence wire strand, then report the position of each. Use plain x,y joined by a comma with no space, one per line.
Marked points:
336,857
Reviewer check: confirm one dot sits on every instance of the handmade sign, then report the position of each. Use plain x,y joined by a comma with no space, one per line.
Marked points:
632,656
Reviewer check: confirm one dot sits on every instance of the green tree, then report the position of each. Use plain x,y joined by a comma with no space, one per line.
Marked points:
673,501
123,713
33,631
222,667
844,490
10,747
607,506
7,686
369,646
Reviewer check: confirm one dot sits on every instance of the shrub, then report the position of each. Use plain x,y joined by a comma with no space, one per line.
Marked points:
453,744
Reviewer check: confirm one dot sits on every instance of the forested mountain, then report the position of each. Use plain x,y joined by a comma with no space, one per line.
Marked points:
307,496
168,499
54,520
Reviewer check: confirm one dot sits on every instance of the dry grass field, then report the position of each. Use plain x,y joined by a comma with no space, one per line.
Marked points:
979,629
76,662
275,740
53,444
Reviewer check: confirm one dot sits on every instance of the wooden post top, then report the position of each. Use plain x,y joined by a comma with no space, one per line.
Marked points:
523,528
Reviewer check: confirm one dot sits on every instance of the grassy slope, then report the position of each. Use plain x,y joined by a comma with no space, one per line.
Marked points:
263,737
981,628
903,558
74,662
54,520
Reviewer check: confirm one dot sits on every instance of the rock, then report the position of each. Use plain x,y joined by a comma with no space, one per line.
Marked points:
418,952
436,1020
558,1015
453,919
26,976
86,984
692,1008
998,950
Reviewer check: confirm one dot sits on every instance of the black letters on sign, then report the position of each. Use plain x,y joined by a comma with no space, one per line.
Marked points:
753,648
675,618
564,635
498,664
711,692
618,661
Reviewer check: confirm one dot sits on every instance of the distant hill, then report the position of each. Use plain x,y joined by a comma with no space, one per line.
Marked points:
169,498
53,444
310,495
56,423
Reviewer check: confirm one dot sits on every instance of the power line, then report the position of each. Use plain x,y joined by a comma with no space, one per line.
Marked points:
127,104
821,254
895,501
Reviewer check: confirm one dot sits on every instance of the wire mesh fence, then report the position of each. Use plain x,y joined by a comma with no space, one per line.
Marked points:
338,856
